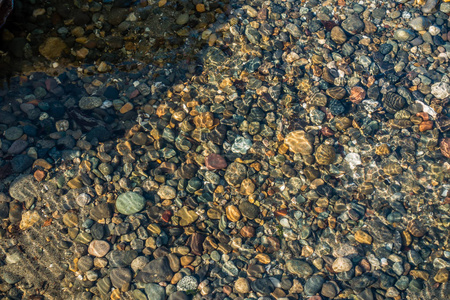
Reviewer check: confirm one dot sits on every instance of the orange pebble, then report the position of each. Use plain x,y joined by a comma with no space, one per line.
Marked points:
425,125
423,115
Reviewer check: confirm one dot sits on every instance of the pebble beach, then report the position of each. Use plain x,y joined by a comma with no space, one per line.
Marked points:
225,150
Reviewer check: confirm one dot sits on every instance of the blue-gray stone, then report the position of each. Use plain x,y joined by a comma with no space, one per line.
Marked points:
155,291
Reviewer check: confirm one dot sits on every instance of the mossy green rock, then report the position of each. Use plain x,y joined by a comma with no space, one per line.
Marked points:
130,203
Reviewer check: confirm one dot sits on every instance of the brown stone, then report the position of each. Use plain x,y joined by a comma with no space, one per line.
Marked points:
247,187
357,94
200,7
445,147
70,219
425,125
338,35
126,108
415,228
98,248
325,154
52,48
204,120
300,142
247,232
42,163
382,150
233,213
186,260
215,162
441,276
363,237
419,274
39,175
75,183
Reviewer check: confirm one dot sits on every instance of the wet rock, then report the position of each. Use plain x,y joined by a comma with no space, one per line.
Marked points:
429,6
88,103
98,248
249,210
52,48
155,271
440,90
167,192
300,142
129,203
342,264
121,278
403,35
325,154
353,24
314,285
155,291
236,172
215,162
420,23
299,268
338,35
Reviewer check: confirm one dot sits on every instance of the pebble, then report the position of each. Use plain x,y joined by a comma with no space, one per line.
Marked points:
99,248
121,278
155,291
287,134
88,103
242,286
130,203
187,283
299,268
342,264
167,192
300,142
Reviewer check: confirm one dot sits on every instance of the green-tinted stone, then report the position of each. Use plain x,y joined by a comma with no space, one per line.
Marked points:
130,203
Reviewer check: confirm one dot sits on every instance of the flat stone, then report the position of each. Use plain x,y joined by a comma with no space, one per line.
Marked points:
236,172
155,291
167,192
24,188
249,210
215,162
98,248
130,203
156,271
300,142
342,264
88,103
299,268
121,278
187,283
13,133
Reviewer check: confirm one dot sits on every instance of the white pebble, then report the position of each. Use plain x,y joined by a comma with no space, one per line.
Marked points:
433,30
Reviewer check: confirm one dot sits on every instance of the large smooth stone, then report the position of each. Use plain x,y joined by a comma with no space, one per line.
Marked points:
130,203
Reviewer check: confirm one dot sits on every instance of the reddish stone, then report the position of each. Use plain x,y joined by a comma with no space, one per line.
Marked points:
134,94
247,232
425,125
50,84
326,131
39,175
357,94
215,162
445,147
166,216
423,115
227,289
